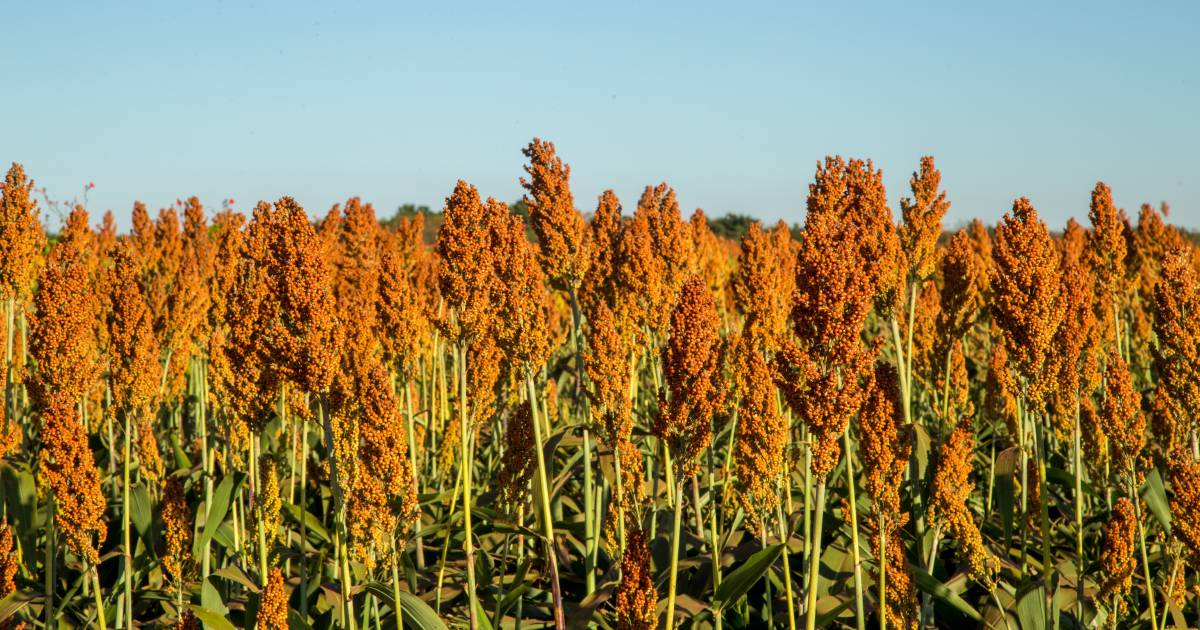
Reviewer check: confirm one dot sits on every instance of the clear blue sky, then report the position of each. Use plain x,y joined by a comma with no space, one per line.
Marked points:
732,105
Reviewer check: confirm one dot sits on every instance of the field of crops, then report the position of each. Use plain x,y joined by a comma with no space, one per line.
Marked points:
554,415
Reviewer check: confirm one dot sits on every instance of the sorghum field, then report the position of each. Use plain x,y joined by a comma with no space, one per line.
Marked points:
557,416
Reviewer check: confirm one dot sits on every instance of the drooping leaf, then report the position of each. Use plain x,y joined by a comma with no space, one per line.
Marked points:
140,510
734,585
928,584
1155,496
417,614
1031,608
213,620
222,498
1006,466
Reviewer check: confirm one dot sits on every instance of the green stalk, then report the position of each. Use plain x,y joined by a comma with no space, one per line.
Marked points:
466,462
340,536
446,541
715,536
1024,479
814,573
861,618
544,496
396,590
412,459
51,540
303,429
258,513
591,543
1047,562
101,621
808,495
1078,518
883,544
1137,512
9,407
619,501
202,418
590,546
785,534
126,538
674,570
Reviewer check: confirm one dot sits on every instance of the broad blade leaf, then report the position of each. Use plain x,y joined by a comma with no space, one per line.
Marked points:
734,585
928,584
1155,496
211,619
220,507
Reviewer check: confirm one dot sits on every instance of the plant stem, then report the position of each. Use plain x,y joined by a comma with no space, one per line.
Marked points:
51,539
303,428
861,618
591,543
785,534
814,573
340,537
1133,495
101,621
412,462
674,570
396,590
1078,518
126,539
466,465
883,544
544,492
1047,562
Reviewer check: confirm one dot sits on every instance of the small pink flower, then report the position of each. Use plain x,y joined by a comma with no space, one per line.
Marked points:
91,185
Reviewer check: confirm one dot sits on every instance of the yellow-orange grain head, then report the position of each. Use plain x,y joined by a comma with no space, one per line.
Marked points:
560,228
690,369
1026,295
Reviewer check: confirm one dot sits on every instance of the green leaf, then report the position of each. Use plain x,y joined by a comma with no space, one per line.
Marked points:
480,615
294,620
20,495
826,620
1006,466
1155,496
220,507
417,613
140,511
14,603
734,585
211,619
1031,609
210,597
922,448
182,461
929,584
315,528
234,573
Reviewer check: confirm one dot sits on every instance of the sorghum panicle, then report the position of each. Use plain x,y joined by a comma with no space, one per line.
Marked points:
67,467
636,596
21,236
1116,556
761,438
560,228
690,366
922,215
1026,302
763,284
177,529
949,507
273,606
